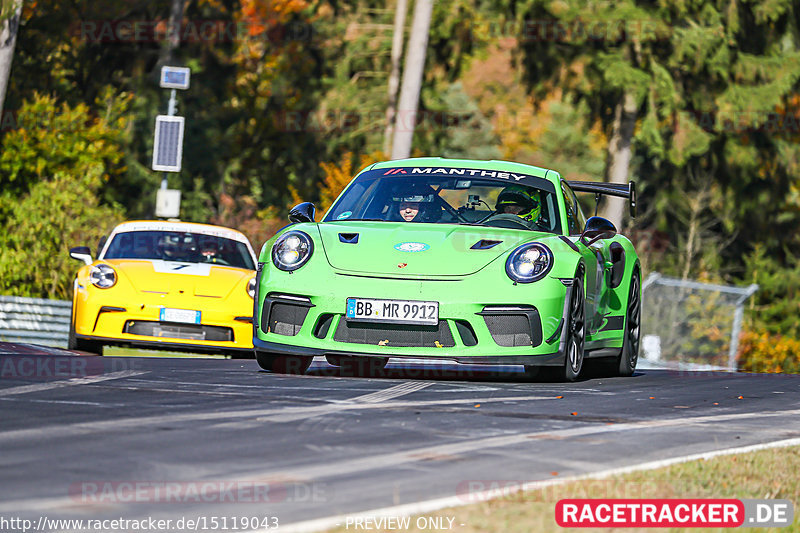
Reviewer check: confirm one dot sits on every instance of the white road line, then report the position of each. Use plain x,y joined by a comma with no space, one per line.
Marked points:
466,446
372,398
392,392
25,389
64,430
477,445
428,506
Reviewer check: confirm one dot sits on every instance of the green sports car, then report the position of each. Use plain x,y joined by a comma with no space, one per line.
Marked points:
481,262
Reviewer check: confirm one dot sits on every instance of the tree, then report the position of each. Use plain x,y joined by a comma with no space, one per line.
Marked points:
10,16
52,169
690,89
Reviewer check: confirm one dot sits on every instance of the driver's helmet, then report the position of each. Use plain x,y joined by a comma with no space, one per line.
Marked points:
526,197
176,247
413,192
418,193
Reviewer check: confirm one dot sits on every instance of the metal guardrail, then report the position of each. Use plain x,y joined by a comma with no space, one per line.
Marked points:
35,320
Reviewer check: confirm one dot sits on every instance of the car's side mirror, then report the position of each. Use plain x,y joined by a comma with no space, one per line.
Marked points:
81,253
597,228
304,212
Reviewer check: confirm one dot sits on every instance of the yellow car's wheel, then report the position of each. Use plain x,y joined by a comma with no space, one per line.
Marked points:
82,345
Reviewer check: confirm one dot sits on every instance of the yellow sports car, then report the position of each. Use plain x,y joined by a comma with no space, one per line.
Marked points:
166,285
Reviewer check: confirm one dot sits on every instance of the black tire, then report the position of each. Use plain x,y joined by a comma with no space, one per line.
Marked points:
82,345
576,333
358,366
284,364
573,344
629,354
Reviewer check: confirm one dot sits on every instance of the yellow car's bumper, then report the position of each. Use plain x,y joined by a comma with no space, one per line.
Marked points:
128,315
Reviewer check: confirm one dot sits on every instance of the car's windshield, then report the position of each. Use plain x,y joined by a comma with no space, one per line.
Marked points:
180,246
435,199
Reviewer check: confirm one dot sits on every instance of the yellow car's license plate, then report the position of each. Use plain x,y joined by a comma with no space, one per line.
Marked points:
186,316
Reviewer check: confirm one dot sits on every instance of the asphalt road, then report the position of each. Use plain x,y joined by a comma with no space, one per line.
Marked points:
123,437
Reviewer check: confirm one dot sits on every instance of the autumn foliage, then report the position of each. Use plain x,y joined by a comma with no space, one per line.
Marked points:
767,352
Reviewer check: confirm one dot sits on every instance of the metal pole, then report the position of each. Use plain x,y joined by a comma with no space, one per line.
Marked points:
173,103
738,317
737,327
412,80
171,110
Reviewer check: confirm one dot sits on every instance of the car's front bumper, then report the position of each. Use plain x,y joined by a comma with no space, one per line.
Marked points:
471,304
137,323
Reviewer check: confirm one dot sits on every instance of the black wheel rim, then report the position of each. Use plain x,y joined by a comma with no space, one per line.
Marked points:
577,324
634,321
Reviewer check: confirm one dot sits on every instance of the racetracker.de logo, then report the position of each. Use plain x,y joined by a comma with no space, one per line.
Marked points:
712,512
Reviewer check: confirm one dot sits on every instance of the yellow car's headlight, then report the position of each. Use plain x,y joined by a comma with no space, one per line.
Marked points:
102,276
251,287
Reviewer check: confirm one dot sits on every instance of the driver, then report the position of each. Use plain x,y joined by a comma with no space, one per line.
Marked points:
524,202
175,248
414,203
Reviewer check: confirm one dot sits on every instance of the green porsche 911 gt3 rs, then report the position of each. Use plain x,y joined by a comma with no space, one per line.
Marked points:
481,262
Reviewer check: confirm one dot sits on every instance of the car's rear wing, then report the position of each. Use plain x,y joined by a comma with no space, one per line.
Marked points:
608,189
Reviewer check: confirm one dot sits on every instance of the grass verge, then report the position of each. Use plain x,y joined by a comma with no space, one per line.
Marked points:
768,474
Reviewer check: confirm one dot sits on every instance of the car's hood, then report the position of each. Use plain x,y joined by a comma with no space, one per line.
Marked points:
408,249
169,277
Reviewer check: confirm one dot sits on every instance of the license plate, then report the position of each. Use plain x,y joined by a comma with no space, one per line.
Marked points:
186,316
395,311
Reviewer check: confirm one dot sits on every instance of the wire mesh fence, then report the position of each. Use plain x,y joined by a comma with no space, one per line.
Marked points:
692,325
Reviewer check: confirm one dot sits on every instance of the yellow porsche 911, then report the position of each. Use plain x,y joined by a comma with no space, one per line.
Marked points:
166,285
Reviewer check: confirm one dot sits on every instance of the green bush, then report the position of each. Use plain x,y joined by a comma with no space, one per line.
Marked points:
51,171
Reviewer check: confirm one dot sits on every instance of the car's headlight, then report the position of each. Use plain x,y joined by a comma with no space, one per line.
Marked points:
102,276
251,287
292,250
530,262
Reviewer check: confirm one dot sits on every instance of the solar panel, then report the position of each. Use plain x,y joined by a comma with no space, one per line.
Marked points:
168,145
175,77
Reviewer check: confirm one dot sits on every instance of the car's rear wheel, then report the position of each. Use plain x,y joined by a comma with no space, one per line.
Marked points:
358,366
284,364
629,355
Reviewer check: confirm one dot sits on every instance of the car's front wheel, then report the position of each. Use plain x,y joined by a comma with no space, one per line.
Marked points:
82,345
576,332
573,342
284,364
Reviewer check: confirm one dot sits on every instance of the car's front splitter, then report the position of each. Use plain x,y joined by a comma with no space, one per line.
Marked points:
169,345
274,348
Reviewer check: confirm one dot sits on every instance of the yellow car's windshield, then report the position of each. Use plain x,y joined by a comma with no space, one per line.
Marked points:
178,246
